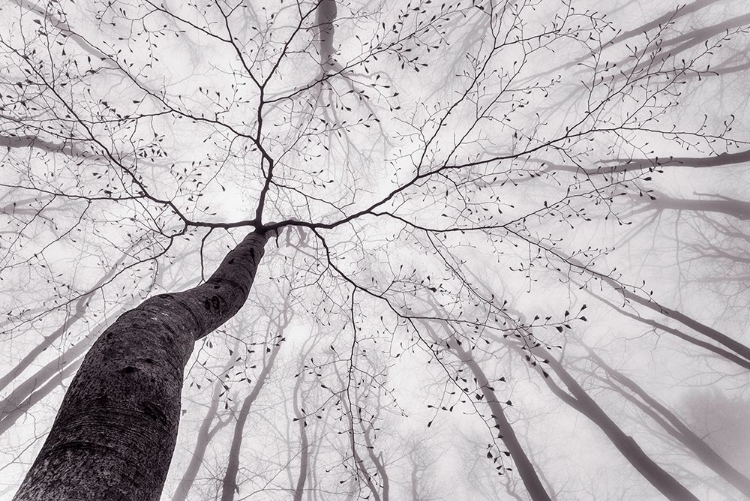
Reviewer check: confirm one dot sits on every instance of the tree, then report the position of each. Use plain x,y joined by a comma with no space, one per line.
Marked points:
400,177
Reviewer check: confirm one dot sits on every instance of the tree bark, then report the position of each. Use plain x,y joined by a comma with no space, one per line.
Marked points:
115,433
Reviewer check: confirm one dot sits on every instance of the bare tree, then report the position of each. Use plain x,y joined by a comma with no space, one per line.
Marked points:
673,425
388,170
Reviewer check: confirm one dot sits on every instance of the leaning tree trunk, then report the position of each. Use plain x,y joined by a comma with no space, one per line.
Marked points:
79,313
673,425
628,447
229,484
304,452
40,384
525,467
115,432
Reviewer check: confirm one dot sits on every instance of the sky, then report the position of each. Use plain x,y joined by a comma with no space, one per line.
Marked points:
545,194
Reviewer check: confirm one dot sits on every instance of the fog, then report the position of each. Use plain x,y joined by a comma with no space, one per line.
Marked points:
390,250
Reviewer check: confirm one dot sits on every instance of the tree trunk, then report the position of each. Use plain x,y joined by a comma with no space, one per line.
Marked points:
326,15
205,434
377,460
711,333
718,350
12,413
229,484
115,432
415,482
31,391
81,305
628,447
304,452
680,431
525,468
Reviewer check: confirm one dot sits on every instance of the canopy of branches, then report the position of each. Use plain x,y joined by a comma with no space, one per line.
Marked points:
533,211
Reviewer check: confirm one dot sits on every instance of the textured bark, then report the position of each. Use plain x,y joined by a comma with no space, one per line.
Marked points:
115,432
44,380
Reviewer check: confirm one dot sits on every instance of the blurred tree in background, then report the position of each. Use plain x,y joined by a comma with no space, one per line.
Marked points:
377,250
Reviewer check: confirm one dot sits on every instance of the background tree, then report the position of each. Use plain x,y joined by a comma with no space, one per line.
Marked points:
398,175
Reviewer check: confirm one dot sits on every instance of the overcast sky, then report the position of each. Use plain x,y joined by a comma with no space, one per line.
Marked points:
547,196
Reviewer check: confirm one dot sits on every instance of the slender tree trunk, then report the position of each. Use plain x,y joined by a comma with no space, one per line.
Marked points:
415,481
229,484
359,464
313,455
583,403
711,333
326,15
304,452
81,305
14,412
45,343
115,433
205,434
628,447
718,350
681,432
377,460
523,464
731,344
